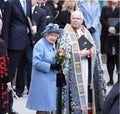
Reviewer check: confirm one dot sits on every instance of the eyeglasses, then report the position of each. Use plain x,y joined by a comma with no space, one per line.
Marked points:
77,18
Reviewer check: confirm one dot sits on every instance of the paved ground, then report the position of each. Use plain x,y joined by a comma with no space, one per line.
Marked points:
19,104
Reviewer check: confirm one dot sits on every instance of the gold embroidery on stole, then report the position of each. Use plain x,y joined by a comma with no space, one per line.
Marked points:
77,68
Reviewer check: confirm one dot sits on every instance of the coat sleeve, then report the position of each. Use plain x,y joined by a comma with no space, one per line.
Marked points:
38,58
103,18
97,16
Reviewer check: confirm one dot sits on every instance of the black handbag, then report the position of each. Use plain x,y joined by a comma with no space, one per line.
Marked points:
61,81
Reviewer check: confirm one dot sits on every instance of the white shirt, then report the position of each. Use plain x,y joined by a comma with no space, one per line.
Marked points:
33,8
21,1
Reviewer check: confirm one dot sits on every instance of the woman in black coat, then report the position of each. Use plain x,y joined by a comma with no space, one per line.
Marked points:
67,8
112,101
110,35
55,7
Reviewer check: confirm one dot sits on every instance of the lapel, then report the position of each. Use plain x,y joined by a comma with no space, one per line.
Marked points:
18,4
28,5
35,12
35,15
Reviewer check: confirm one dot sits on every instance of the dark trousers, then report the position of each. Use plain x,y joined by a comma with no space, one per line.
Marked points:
22,78
112,60
15,57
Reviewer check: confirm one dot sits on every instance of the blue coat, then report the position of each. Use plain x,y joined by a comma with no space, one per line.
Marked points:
42,93
91,18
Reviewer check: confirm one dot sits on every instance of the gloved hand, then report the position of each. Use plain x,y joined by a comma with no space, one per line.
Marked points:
61,80
55,66
91,30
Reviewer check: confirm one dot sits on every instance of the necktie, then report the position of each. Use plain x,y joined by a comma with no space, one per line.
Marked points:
25,9
24,6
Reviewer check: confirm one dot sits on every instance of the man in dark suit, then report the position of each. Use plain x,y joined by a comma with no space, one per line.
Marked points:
16,34
49,18
38,15
112,101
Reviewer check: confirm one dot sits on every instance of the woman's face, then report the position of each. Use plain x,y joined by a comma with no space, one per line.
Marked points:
51,37
71,4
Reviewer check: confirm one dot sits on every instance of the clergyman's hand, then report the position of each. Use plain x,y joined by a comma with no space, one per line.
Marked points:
84,53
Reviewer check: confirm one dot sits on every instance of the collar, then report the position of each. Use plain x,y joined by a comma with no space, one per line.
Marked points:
78,32
33,8
38,4
49,46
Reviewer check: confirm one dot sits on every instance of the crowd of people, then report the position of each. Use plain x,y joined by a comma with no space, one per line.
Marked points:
31,33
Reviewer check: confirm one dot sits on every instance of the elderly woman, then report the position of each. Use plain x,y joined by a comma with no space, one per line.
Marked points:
42,94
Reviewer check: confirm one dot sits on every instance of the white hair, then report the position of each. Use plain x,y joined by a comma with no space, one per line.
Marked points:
77,12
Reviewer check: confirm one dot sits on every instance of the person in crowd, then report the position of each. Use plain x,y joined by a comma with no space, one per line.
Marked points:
38,15
112,101
49,17
0,13
81,93
91,12
42,93
5,84
2,3
64,16
110,34
55,7
102,3
17,36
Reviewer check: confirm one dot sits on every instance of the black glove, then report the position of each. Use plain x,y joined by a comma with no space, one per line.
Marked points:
55,66
61,81
91,30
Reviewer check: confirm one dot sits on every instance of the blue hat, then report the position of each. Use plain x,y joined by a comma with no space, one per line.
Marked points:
52,28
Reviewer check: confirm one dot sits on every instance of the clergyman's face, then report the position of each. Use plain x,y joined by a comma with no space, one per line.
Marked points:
76,20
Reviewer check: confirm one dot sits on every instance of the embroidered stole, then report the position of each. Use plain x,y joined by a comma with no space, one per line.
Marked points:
77,68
